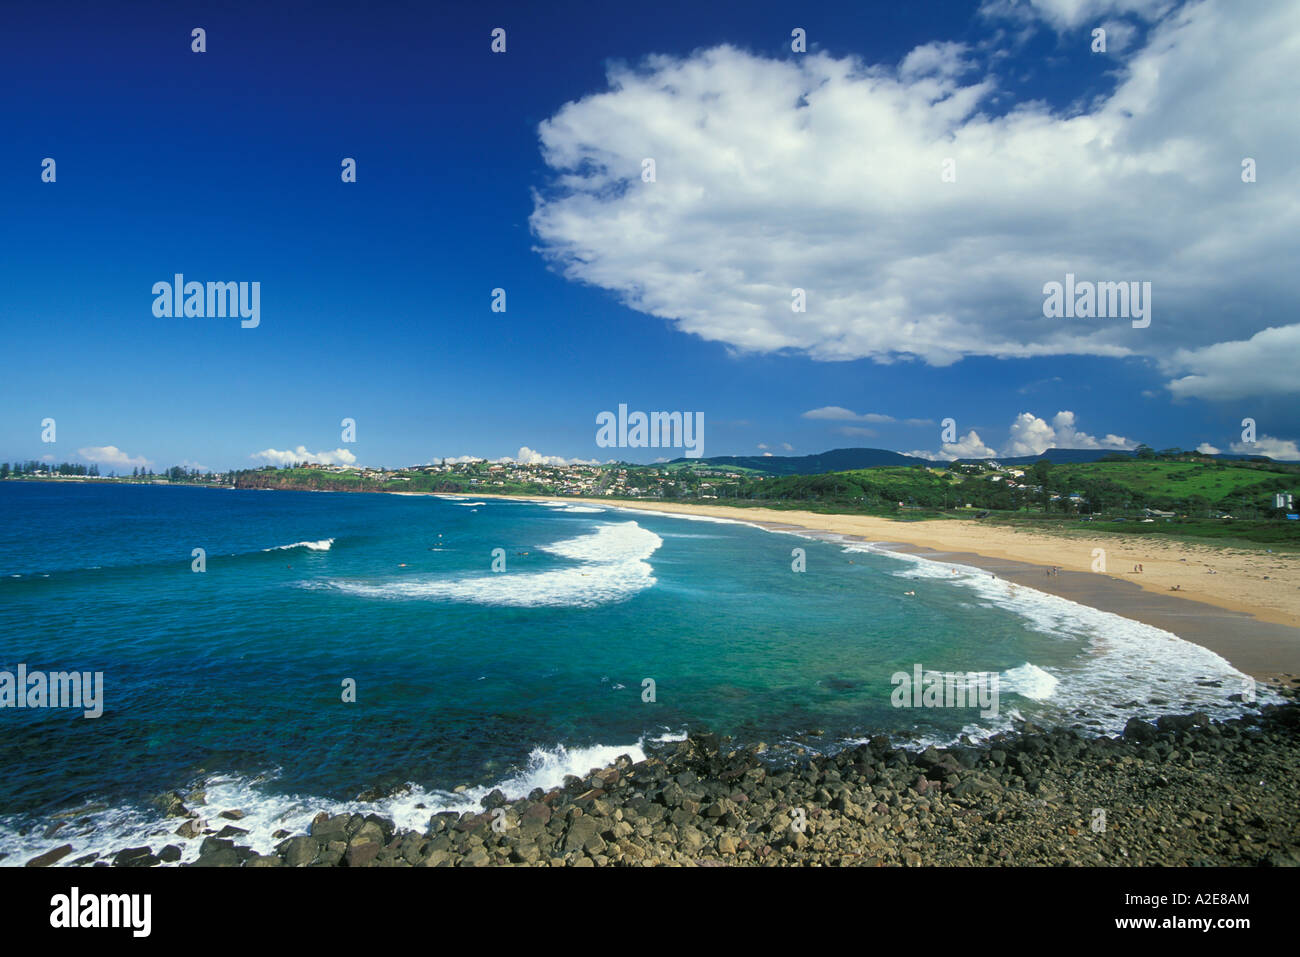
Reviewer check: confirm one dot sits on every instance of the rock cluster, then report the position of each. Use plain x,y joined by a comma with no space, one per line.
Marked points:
1182,791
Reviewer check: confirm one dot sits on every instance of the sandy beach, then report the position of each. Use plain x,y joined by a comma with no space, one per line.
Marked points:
1243,604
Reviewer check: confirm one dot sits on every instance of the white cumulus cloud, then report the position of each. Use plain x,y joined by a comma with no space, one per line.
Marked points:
527,456
1030,435
1263,365
300,454
969,446
113,456
823,173
1282,449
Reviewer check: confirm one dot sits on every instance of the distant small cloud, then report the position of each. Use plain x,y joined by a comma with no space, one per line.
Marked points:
527,456
1205,448
1038,384
841,414
110,455
300,454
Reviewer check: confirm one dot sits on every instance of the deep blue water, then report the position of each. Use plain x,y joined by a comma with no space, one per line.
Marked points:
233,677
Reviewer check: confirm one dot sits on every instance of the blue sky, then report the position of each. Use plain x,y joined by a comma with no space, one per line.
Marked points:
522,170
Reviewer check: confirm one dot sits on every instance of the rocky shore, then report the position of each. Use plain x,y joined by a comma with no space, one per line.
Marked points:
1182,791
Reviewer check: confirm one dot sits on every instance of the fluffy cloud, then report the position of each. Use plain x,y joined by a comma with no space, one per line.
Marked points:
1031,435
1205,448
1263,365
527,456
839,162
1282,449
1119,35
113,456
970,446
300,454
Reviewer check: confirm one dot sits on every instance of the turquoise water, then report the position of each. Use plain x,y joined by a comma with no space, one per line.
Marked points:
233,677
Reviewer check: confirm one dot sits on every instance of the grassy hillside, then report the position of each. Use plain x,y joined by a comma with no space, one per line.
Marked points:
1217,483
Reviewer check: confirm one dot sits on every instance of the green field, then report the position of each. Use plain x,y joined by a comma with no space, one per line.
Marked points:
1213,482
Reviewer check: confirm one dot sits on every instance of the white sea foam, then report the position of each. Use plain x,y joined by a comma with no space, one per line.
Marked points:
1029,681
1122,666
321,546
1118,665
105,831
613,566
668,737
470,504
691,518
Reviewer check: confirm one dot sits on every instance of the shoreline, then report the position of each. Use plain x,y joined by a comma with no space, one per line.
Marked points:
1224,616
912,792
1182,791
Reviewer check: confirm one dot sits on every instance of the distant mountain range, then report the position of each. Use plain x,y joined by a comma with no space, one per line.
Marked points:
840,460
836,460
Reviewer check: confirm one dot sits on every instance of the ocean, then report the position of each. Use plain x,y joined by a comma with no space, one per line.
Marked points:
603,631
